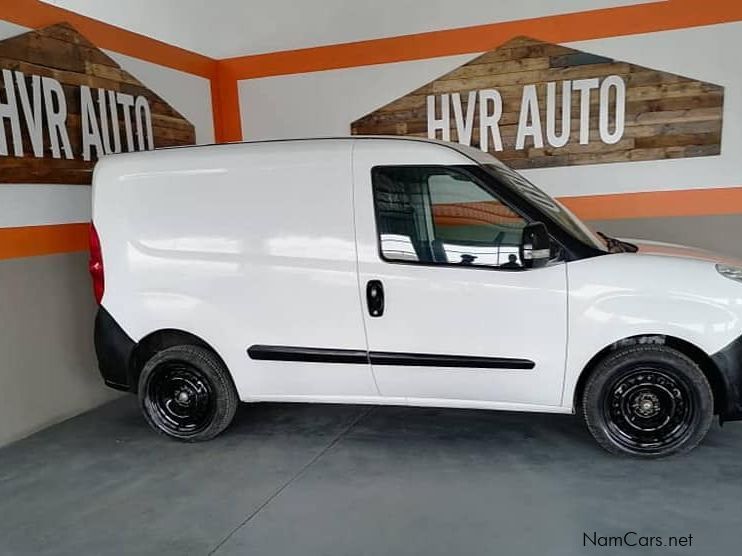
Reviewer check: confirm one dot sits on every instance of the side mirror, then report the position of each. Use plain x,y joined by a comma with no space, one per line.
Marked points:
535,246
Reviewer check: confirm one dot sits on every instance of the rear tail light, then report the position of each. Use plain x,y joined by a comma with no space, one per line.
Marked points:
95,264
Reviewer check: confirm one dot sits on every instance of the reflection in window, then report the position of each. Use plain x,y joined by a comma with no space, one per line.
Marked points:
439,215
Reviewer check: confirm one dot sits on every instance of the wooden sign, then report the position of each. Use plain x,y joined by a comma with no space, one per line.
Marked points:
64,103
534,104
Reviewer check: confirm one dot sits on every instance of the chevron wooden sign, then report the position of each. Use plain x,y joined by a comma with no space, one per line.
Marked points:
535,104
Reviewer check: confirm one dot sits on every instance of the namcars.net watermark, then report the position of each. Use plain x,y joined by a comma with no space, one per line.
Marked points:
633,539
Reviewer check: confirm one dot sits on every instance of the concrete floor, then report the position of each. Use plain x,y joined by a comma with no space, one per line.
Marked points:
306,480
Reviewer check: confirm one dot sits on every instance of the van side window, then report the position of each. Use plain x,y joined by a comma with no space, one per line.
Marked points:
438,215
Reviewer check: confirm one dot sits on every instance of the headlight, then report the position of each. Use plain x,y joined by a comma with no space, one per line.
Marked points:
731,272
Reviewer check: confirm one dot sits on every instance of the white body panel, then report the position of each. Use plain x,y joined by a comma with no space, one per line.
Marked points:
239,246
273,244
629,294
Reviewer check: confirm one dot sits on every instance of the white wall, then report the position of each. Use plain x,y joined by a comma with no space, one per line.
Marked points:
325,103
48,370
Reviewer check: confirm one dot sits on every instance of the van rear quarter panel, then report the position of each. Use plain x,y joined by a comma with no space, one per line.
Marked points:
240,245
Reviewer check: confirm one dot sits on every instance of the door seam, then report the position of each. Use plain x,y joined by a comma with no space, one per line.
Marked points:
361,303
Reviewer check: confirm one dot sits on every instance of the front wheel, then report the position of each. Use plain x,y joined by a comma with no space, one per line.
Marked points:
186,393
648,401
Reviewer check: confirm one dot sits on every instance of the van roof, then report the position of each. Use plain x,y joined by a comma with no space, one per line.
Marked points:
470,152
322,138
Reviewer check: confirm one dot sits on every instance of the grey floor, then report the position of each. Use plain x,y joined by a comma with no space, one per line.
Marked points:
299,479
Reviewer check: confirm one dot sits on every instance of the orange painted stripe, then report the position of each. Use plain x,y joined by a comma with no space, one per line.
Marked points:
35,14
217,113
593,24
228,122
657,204
31,241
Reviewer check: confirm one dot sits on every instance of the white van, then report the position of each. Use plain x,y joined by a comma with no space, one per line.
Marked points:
389,270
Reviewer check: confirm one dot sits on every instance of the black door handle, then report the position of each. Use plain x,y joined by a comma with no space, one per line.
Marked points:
375,298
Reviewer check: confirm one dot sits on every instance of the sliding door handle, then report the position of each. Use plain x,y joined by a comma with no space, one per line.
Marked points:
375,298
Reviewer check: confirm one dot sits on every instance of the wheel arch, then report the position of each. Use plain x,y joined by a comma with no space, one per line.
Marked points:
156,341
697,355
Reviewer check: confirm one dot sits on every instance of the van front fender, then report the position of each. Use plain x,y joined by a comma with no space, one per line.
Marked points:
712,325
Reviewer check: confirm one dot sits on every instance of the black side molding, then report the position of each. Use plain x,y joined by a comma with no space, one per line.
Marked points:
433,360
353,356
308,355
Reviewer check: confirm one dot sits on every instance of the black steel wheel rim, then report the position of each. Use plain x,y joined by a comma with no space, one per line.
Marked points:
649,410
180,398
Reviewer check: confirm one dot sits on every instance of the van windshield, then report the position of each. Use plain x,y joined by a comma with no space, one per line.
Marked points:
553,208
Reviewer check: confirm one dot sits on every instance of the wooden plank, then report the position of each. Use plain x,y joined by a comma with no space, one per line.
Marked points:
578,59
681,128
679,140
709,100
678,116
164,135
648,77
64,77
508,52
670,90
485,80
576,148
498,68
67,33
43,170
110,73
163,120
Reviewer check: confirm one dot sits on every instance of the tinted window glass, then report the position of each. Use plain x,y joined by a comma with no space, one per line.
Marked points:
551,207
441,216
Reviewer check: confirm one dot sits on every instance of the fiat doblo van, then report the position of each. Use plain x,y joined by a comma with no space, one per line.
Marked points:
389,270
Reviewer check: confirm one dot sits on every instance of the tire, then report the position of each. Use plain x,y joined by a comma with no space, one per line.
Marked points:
648,401
186,393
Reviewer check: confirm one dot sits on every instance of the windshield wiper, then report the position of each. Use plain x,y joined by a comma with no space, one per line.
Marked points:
616,245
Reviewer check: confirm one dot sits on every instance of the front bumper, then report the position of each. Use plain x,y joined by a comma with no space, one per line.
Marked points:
729,362
115,351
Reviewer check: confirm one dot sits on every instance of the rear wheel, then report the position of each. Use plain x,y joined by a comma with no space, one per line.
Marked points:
186,393
648,401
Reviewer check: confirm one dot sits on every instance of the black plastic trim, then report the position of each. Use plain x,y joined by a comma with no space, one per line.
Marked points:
729,362
353,356
435,360
307,354
114,349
